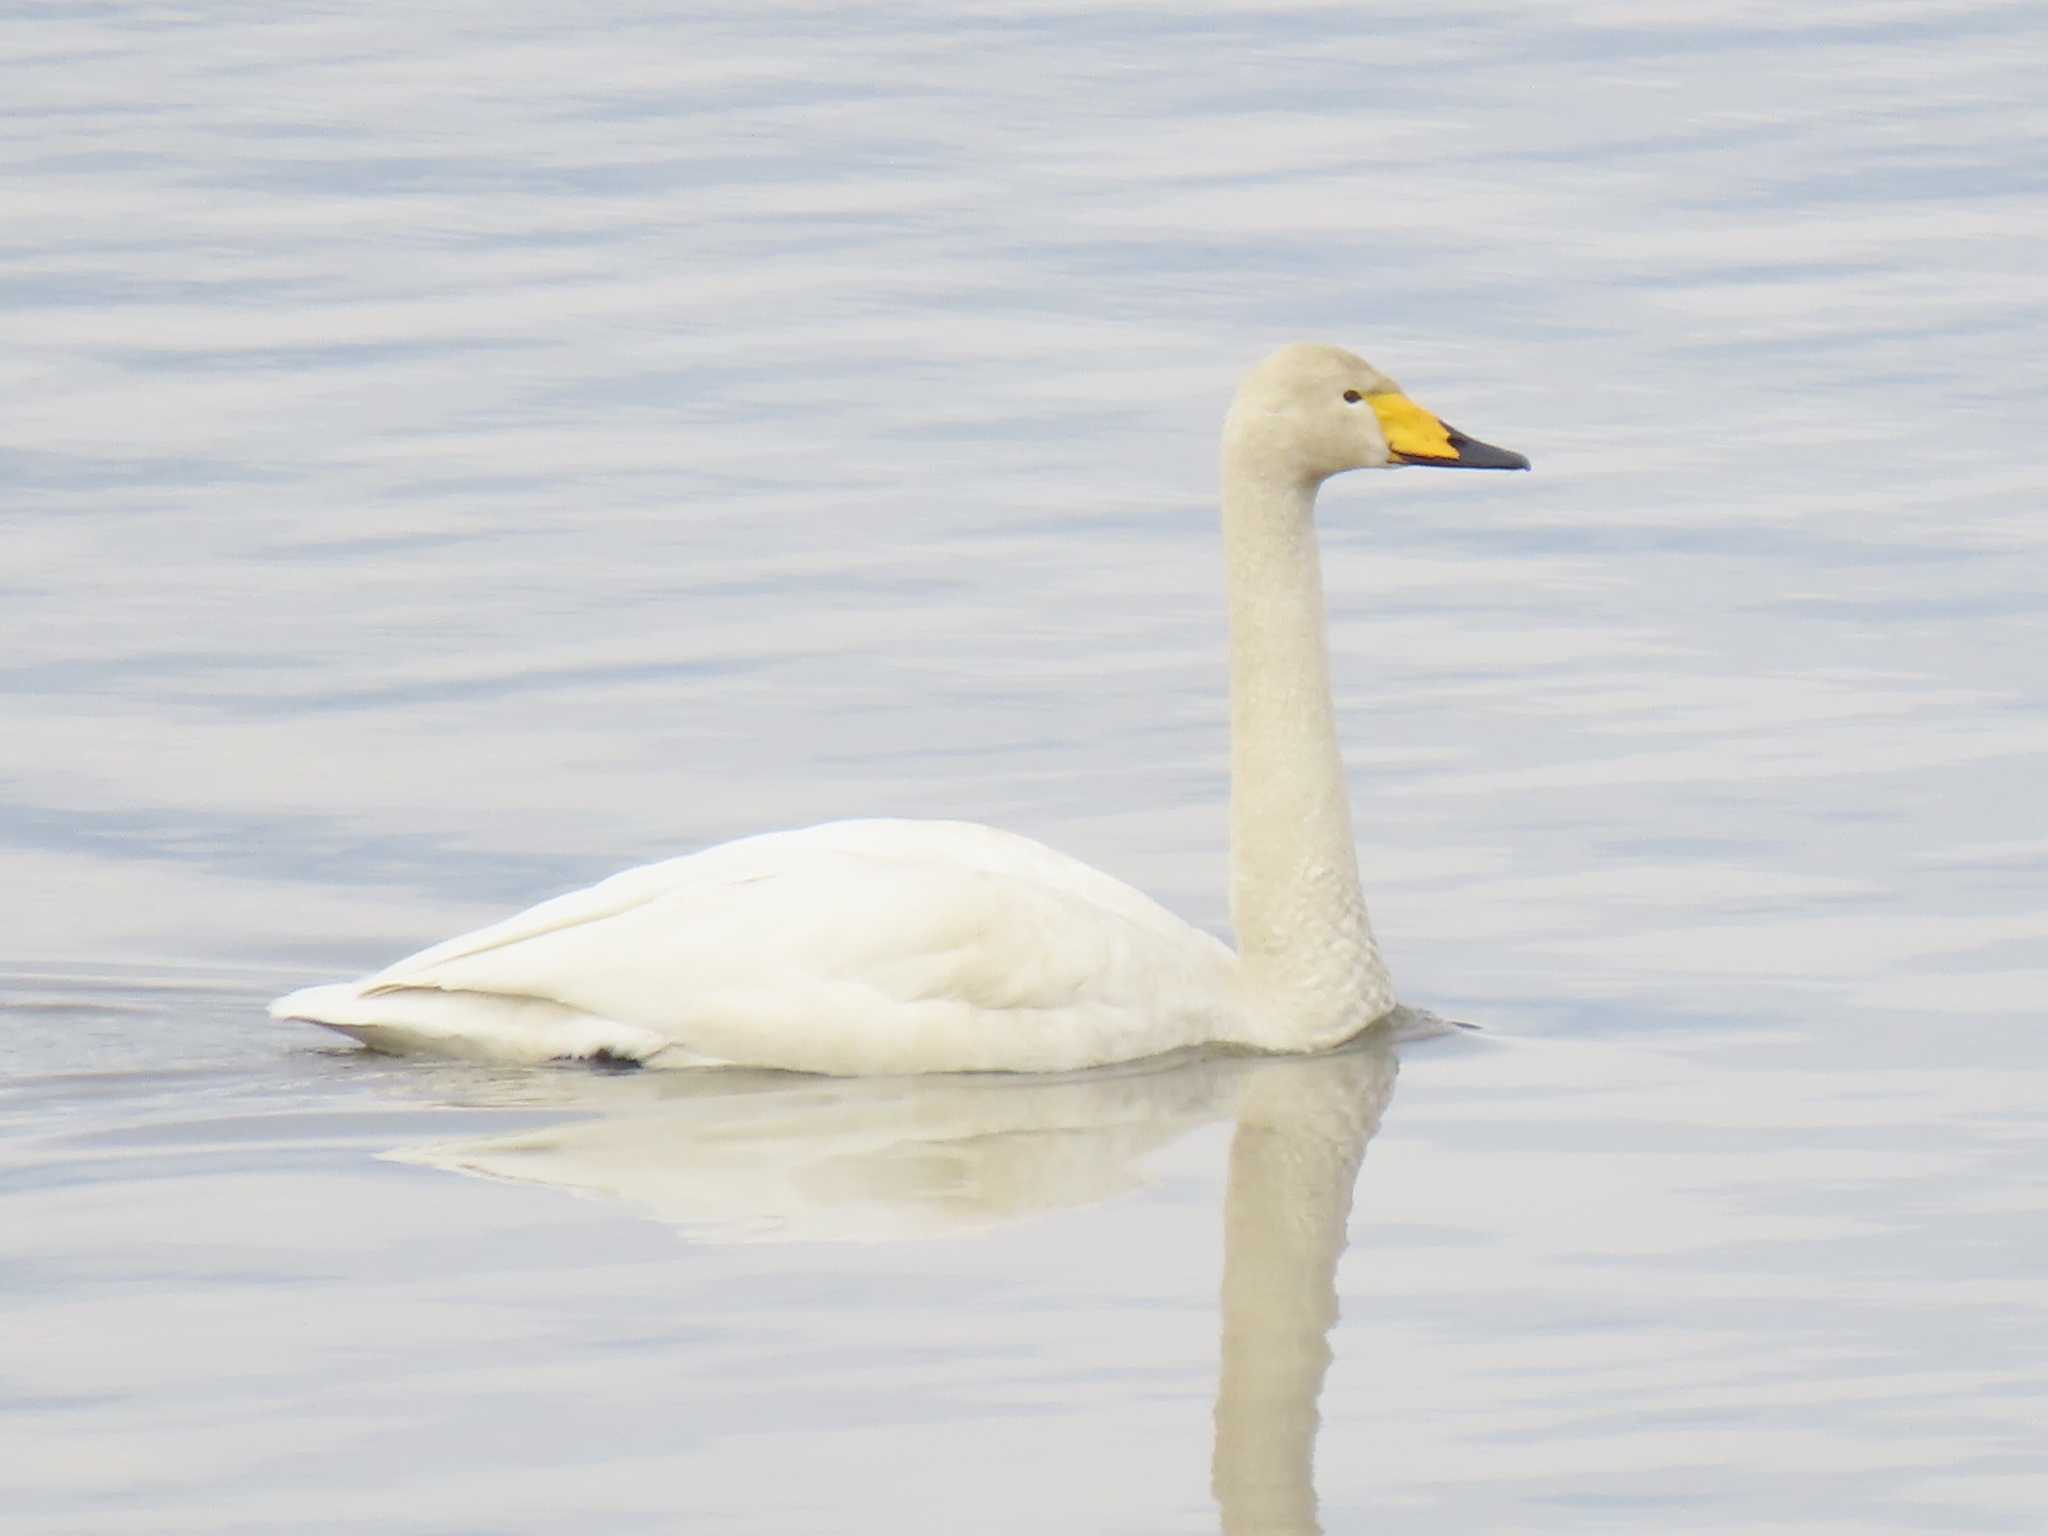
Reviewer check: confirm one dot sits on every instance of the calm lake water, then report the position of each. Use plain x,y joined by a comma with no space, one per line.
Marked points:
451,454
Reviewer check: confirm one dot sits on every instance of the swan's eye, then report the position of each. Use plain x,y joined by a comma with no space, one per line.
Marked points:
1352,397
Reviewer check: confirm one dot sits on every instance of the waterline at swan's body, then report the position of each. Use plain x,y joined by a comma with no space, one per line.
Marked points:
908,946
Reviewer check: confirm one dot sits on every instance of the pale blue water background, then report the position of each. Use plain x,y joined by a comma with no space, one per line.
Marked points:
451,453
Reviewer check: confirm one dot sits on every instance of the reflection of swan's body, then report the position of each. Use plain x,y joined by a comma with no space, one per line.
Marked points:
817,1160
901,946
826,1159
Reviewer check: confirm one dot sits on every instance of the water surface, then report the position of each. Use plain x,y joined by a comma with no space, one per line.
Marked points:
452,457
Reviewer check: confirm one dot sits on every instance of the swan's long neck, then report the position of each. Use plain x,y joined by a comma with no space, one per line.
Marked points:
1314,974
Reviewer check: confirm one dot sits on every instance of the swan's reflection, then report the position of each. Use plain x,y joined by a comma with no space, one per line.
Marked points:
762,1156
1302,1126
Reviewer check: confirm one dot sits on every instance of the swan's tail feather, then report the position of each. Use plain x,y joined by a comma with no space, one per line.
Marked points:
469,1026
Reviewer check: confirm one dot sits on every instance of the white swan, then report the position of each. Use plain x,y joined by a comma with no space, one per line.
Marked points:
922,946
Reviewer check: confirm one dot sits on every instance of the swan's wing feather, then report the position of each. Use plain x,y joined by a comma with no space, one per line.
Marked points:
590,904
854,947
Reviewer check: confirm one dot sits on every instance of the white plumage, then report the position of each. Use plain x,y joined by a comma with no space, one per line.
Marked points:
915,946
857,946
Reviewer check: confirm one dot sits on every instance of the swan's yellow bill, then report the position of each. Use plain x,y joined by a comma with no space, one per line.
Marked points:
1416,437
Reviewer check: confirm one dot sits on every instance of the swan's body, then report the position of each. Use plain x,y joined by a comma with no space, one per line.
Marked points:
912,946
858,946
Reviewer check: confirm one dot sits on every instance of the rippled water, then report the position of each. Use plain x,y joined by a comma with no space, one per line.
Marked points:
451,455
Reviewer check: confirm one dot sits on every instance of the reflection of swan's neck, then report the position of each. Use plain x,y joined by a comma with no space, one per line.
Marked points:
1300,1136
1315,974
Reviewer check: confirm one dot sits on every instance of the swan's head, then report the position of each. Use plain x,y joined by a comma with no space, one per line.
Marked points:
1310,412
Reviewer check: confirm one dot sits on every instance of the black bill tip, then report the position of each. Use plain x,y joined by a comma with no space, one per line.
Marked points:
1473,454
1467,453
